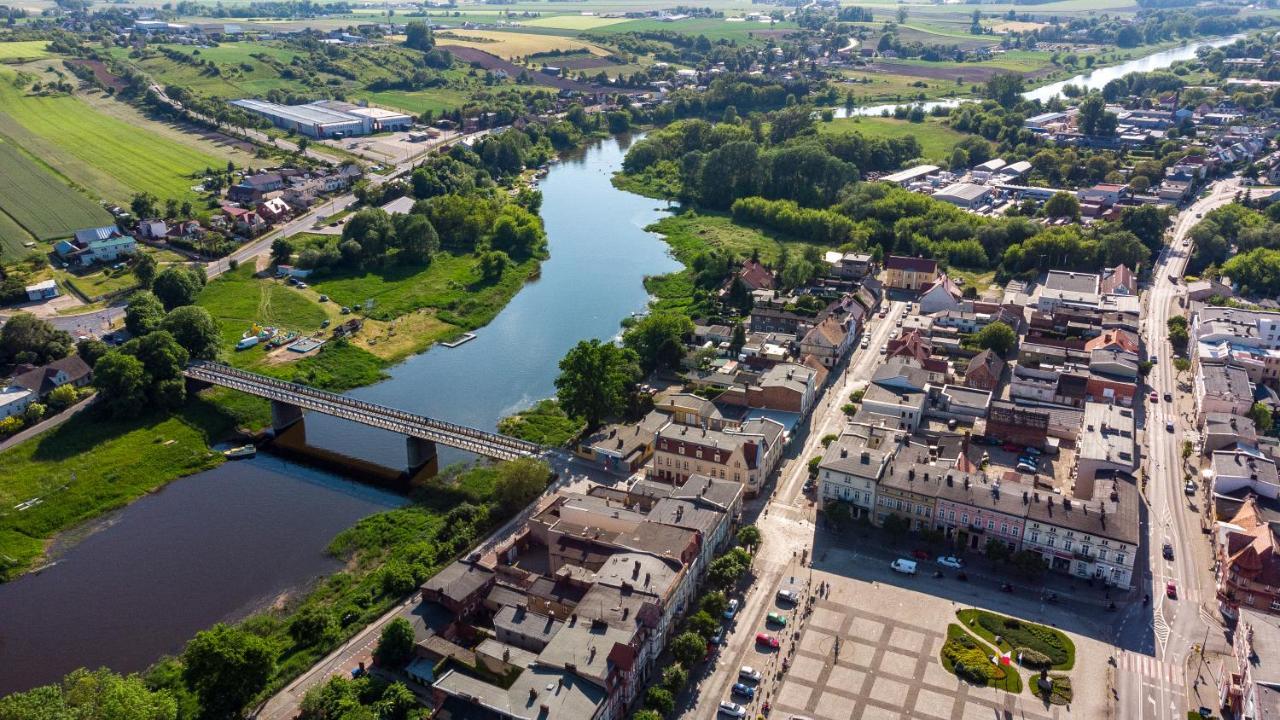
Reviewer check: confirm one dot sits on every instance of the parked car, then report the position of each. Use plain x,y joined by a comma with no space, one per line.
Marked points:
866,343
1034,451
1190,487
919,554
774,618
324,298
1025,468
884,349
718,639
789,596
746,672
1010,447
767,640
1171,590
1167,551
732,709
1029,460
345,310
1168,425
744,690
732,610
1154,397
904,566
1168,397
951,562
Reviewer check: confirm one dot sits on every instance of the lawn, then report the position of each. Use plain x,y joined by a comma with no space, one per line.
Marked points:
544,423
874,88
239,300
24,50
40,202
436,100
111,157
1015,633
936,139
510,45
968,659
91,465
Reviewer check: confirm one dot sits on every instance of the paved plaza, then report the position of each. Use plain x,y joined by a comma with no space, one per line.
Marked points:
888,668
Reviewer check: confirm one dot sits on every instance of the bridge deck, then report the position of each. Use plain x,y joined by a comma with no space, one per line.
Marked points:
490,444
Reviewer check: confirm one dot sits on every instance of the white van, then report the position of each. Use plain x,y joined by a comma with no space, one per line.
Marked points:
904,566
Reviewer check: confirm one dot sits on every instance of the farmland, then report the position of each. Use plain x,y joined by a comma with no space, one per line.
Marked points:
713,28
572,22
41,203
112,158
510,45
23,51
936,139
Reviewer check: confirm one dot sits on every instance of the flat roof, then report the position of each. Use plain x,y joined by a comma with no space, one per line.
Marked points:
1070,281
910,173
309,114
963,191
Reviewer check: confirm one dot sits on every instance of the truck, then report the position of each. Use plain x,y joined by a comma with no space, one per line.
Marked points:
904,566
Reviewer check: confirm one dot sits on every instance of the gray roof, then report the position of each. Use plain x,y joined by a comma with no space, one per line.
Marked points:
307,114
1265,641
521,621
858,455
1117,496
709,491
563,695
1107,434
684,514
1225,381
458,580
1071,281
967,397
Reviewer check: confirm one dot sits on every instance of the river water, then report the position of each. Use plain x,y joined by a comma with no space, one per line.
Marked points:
220,544
1093,80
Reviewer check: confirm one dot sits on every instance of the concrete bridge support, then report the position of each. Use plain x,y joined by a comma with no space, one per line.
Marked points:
421,453
283,415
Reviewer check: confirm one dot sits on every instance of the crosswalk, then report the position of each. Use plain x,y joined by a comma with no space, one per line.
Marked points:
1150,667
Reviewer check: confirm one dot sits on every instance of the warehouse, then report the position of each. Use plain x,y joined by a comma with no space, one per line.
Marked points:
327,118
965,195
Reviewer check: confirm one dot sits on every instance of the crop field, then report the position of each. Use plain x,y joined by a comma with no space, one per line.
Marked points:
12,237
417,102
510,45
108,155
713,28
572,22
936,139
40,202
23,50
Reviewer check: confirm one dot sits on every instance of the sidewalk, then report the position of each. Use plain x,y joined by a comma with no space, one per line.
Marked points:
48,424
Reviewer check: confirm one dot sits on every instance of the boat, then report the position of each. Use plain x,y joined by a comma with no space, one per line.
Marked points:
244,451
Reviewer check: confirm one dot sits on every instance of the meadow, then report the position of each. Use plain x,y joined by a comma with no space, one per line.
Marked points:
936,139
713,28
40,202
509,45
24,50
107,155
238,300
571,22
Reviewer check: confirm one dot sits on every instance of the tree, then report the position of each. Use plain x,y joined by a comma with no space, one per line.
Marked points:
177,286
715,603
724,571
195,330
688,648
997,337
658,340
143,314
417,238
1262,418
1062,205
34,413
281,251
738,340
519,482
227,667
659,700
704,624
91,695
143,205
311,625
1005,89
674,678
1092,119
62,397
395,645
646,715
493,264
26,338
595,380
144,269
417,35
749,536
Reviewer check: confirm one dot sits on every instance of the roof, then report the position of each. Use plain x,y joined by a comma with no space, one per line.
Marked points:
860,452
1111,512
910,173
1070,281
521,621
1264,640
791,376
988,360
969,192
540,693
399,206
41,379
459,580
827,333
912,264
685,514
49,284
755,276
306,114
710,491
12,394
1225,381
1107,435
967,397
1122,339
89,235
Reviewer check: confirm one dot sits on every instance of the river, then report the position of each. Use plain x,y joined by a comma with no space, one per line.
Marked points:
221,544
1092,80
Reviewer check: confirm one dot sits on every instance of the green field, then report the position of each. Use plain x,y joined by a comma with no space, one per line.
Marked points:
41,203
12,240
436,100
112,158
24,50
937,139
238,300
713,28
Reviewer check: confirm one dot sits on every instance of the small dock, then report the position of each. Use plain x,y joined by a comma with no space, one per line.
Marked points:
468,337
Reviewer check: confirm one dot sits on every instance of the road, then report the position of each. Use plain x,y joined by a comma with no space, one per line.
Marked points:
1179,623
786,522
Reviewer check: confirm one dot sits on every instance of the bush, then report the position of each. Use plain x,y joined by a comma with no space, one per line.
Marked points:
1059,691
1015,633
1032,659
970,661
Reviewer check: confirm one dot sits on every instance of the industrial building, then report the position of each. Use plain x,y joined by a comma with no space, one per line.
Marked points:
328,118
965,195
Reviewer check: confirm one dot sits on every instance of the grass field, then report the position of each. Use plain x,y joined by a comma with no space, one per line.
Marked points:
238,300
937,139
713,28
40,202
89,466
436,100
510,45
12,240
111,157
24,50
572,22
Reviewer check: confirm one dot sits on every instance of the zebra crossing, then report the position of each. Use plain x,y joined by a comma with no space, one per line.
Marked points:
1148,666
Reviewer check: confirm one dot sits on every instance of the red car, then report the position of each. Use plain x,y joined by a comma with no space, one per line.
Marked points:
919,554
1154,397
1010,447
767,639
1171,590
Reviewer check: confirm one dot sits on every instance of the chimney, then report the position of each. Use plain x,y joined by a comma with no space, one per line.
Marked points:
950,482
966,482
866,458
844,452
635,572
911,474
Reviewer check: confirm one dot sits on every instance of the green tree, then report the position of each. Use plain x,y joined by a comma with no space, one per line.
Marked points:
227,667
646,715
519,482
396,703
749,536
143,205
1005,89
595,380
143,314
738,340
417,35
714,603
658,340
703,624
177,286
90,349
493,264
311,625
26,338
195,330
34,413
1062,205
688,648
1262,418
144,269
62,397
281,251
674,678
417,238
998,337
91,695
724,571
659,700
395,645
122,384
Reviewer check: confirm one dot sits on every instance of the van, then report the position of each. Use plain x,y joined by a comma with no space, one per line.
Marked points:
904,566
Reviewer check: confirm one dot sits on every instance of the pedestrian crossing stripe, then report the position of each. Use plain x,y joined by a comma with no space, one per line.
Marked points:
1148,666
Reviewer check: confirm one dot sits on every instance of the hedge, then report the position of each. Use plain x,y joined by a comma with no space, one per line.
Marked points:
970,660
1015,633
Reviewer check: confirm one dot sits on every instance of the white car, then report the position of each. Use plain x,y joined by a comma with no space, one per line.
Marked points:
954,563
866,343
884,349
788,596
904,566
732,609
732,709
746,672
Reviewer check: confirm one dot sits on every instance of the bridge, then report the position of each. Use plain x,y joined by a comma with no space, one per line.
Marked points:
288,400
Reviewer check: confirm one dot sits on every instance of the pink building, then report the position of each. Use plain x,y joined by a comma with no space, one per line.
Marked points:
972,510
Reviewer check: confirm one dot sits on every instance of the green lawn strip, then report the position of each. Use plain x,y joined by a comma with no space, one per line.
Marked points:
936,140
1015,633
965,657
544,423
41,202
99,284
90,465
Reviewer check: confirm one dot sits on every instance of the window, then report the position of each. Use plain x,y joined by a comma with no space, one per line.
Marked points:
964,518
951,515
1004,528
1275,605
1035,536
1066,546
1102,553
1120,558
991,525
1049,542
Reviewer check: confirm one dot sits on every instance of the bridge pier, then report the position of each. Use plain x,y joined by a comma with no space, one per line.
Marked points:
420,452
283,415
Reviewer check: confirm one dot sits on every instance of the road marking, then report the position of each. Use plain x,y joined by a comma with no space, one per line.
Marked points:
1149,667
1161,630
